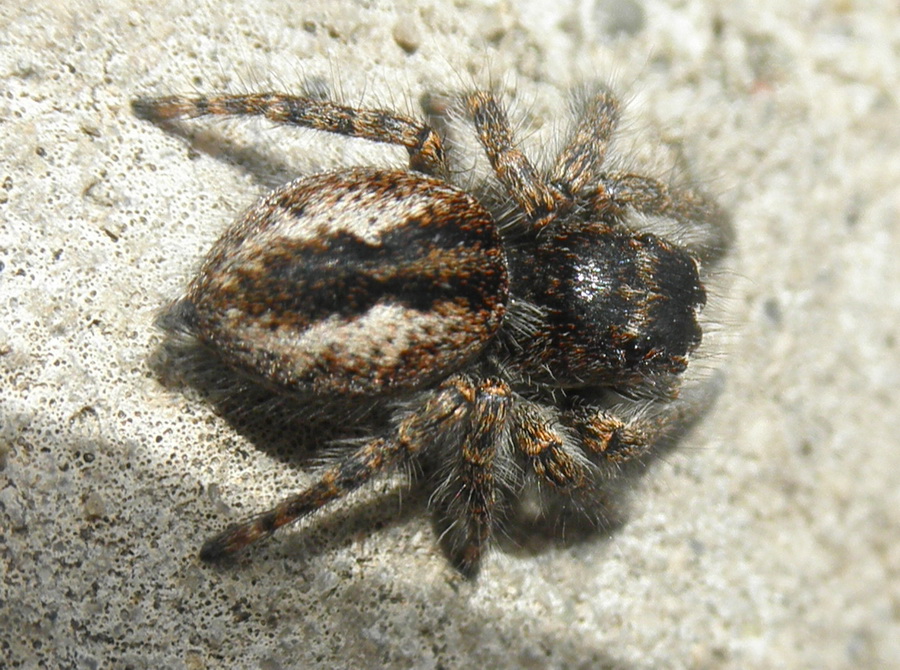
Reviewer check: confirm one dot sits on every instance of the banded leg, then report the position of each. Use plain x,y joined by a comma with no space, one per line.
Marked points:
615,436
426,152
351,473
582,159
378,456
533,193
549,448
469,495
617,190
615,440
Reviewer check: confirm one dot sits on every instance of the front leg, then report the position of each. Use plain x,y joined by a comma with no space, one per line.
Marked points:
617,435
471,473
564,448
550,449
570,449
709,225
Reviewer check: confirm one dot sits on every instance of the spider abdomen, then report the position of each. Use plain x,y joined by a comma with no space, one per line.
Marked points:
361,281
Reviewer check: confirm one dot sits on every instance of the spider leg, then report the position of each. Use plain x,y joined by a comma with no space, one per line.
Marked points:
469,492
581,160
611,438
352,472
550,449
613,192
426,152
615,436
556,443
578,453
379,455
531,191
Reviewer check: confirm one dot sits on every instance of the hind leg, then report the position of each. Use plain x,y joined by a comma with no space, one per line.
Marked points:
426,152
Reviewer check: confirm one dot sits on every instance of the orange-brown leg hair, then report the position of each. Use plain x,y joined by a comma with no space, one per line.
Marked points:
614,440
581,161
469,489
549,448
438,412
616,191
523,183
616,436
426,152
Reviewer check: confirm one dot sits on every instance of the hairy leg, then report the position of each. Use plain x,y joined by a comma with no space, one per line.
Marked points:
581,161
530,190
352,472
426,153
616,191
470,474
615,436
549,448
413,431
561,446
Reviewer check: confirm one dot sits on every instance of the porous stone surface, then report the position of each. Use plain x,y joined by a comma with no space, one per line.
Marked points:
770,537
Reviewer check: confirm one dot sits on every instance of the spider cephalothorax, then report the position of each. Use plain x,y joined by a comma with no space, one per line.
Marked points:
492,335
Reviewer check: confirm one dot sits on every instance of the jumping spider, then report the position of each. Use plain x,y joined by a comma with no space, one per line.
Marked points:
493,328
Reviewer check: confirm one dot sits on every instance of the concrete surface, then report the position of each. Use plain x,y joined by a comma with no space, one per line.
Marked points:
769,538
